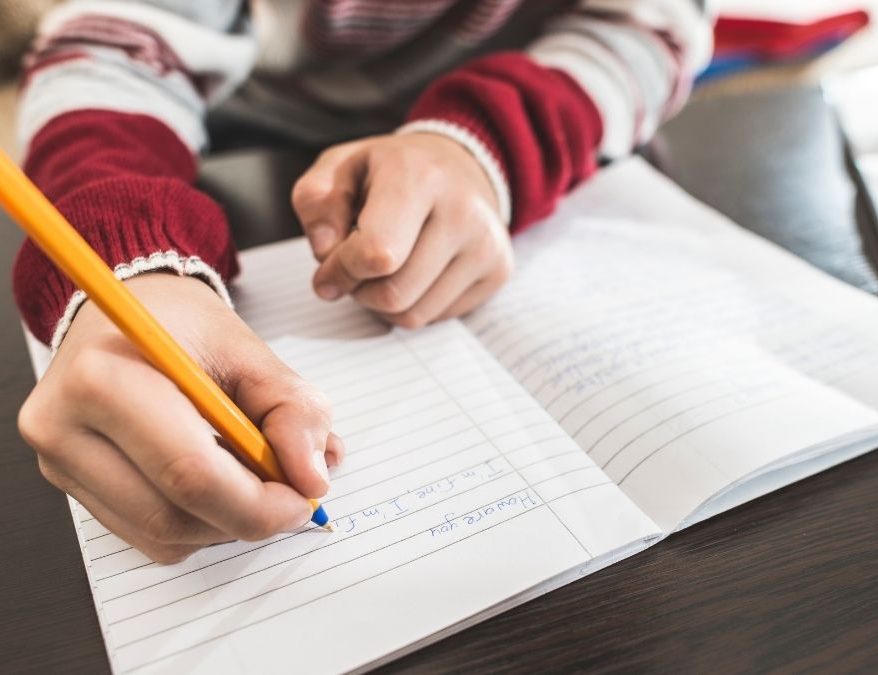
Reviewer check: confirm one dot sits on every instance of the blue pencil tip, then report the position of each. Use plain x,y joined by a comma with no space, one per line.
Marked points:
319,517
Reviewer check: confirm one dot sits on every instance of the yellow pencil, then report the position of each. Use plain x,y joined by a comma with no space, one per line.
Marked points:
51,232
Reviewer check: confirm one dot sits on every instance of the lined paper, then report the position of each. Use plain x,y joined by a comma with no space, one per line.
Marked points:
639,372
681,354
458,494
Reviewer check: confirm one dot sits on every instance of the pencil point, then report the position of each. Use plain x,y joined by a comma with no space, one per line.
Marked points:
329,528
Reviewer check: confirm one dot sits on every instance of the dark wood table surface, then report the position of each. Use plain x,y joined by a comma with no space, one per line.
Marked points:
787,583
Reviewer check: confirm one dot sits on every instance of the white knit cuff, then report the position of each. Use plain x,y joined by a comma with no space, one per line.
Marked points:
477,149
192,266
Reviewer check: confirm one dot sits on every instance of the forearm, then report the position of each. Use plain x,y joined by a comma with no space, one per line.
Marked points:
637,61
125,182
596,84
112,122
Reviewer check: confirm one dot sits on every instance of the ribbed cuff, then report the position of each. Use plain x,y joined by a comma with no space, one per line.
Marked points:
134,224
169,261
539,127
124,181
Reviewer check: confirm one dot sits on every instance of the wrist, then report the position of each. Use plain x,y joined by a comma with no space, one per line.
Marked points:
166,295
467,141
161,275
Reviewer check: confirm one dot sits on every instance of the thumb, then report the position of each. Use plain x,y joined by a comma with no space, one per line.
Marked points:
294,416
326,197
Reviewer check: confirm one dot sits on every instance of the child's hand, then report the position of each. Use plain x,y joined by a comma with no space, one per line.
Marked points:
428,243
121,438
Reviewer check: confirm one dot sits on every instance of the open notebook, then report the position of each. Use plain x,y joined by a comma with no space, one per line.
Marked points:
649,365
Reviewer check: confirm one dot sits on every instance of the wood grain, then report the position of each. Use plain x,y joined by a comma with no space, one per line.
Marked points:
47,617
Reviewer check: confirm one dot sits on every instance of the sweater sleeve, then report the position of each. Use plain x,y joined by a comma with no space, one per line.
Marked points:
112,122
598,81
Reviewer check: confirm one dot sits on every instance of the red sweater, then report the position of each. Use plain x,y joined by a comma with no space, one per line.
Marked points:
109,104
126,181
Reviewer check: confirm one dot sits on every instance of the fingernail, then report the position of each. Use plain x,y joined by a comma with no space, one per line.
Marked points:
328,291
322,238
319,461
333,458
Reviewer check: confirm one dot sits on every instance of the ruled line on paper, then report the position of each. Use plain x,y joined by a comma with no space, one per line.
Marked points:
636,320
661,382
287,537
526,445
409,446
663,422
616,358
493,442
312,601
407,432
690,430
341,564
335,591
635,416
519,493
126,570
342,474
566,453
505,456
329,544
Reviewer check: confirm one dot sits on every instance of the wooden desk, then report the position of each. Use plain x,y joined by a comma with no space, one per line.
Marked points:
788,582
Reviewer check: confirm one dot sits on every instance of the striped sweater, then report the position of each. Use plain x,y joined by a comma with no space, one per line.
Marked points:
117,93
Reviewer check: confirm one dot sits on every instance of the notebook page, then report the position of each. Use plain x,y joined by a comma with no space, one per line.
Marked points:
681,353
458,494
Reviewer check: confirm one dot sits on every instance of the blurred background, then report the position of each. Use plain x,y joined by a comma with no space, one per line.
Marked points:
761,44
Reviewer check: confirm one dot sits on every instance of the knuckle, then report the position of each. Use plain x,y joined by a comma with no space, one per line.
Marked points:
474,211
163,527
89,376
314,405
491,253
411,319
336,152
416,162
384,153
379,259
35,425
261,526
187,480
389,297
320,402
429,171
52,474
308,190
486,251
505,267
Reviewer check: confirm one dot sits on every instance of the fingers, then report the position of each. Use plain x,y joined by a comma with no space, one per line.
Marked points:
400,291
171,445
468,281
396,206
473,297
166,553
295,418
127,505
89,459
335,451
325,197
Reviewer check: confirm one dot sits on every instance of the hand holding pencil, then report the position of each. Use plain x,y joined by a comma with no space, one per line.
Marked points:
130,442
